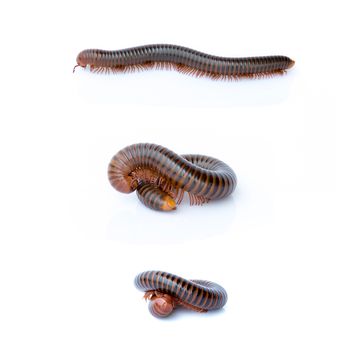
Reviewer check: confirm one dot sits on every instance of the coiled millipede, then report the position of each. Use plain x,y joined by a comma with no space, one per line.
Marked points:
166,291
182,59
161,177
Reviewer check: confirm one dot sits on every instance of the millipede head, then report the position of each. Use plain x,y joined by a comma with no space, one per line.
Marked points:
161,305
81,60
168,203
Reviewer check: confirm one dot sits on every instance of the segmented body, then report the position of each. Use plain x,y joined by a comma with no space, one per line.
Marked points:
161,177
197,295
184,60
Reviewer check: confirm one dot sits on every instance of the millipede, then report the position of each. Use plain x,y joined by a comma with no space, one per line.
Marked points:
166,291
161,177
182,59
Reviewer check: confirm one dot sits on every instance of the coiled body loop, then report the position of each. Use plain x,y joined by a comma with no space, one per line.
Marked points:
161,177
166,291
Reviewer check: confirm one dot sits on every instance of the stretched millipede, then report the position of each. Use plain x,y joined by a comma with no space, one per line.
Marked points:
167,291
161,177
182,59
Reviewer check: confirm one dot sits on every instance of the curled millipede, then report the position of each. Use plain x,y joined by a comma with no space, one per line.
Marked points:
161,177
183,60
166,291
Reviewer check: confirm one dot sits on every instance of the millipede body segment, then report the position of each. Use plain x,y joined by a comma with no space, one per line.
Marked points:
166,291
182,59
161,177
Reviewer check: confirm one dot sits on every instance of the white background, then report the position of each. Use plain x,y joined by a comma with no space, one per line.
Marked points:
70,245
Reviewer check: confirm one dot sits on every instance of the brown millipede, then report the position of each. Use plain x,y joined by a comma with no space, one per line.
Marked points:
182,59
161,177
167,291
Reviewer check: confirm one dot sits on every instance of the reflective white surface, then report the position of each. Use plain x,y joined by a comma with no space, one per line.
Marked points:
70,245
